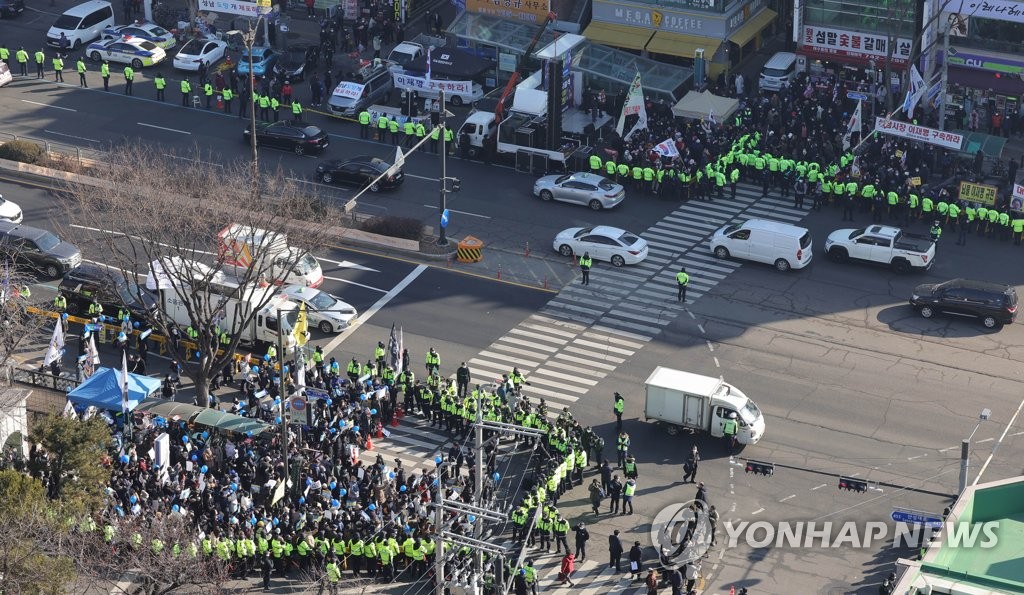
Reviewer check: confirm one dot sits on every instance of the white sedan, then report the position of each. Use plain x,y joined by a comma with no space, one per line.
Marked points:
150,32
326,312
126,50
197,51
611,244
10,211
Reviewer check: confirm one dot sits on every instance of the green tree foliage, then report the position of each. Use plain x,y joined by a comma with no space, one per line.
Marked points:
77,467
30,538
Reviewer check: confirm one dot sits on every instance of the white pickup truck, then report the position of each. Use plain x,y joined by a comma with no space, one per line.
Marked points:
881,244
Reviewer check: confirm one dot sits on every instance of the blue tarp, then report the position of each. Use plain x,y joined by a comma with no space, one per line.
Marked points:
103,390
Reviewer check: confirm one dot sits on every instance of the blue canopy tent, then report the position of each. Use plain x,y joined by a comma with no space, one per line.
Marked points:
103,390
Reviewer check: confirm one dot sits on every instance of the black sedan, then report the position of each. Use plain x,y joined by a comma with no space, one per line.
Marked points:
295,61
361,171
294,136
10,9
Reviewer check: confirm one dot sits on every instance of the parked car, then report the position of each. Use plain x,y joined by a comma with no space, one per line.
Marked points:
299,138
992,303
88,282
263,61
780,244
610,244
10,211
199,51
292,63
584,188
127,50
881,244
150,32
326,312
38,249
5,74
11,8
360,171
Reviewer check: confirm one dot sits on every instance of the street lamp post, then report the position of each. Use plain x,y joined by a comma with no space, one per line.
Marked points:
250,40
965,450
442,238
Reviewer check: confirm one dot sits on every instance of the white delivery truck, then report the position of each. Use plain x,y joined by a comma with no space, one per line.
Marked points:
223,299
243,247
522,129
686,401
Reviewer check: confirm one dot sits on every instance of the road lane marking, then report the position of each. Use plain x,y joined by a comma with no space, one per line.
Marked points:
789,497
408,175
717,365
161,128
67,109
948,449
345,264
1017,433
460,212
701,327
985,440
917,457
356,284
383,301
711,347
88,140
136,238
758,511
819,487
111,267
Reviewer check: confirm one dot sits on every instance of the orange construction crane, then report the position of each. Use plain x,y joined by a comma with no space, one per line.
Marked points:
499,111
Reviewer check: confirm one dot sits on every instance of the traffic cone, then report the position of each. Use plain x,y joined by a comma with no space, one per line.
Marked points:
380,432
394,422
732,590
369,443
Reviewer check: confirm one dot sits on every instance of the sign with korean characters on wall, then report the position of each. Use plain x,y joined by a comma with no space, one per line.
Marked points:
979,193
531,11
854,44
934,136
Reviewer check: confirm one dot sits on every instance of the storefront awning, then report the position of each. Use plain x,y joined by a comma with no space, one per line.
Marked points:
619,36
752,27
677,44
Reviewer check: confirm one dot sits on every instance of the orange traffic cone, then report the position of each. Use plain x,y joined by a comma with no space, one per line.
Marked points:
380,432
394,422
369,443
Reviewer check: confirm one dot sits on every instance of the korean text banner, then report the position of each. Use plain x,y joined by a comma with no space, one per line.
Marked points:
531,11
405,81
979,193
231,7
349,90
924,134
855,44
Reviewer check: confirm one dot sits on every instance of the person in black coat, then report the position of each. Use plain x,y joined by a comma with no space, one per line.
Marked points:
606,476
636,558
615,551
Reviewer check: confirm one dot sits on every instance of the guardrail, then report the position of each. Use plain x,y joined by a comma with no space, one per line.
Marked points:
36,377
80,154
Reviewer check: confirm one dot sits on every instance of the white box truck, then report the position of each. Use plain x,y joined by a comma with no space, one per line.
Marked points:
686,401
242,247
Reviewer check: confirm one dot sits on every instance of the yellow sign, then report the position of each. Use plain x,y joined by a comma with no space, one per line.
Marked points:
915,181
656,19
899,154
531,11
980,193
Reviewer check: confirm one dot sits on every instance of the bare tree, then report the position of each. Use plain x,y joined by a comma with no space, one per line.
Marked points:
163,216
18,328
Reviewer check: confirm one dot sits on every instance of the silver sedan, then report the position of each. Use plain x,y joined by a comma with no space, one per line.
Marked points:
597,192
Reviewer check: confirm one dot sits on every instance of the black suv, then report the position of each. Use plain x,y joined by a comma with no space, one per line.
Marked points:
993,303
38,249
89,282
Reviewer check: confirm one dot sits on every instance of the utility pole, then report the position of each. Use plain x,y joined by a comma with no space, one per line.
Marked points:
442,238
439,579
945,77
478,487
281,387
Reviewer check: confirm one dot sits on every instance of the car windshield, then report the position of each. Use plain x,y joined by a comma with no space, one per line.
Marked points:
582,232
775,72
728,229
311,131
750,413
127,292
257,54
628,239
322,301
158,31
856,233
47,242
307,264
66,22
605,184
147,45
562,179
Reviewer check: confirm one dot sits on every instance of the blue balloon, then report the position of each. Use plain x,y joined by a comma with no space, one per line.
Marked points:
434,484
391,475
249,433
64,316
334,484
343,492
309,481
334,430
206,435
266,358
133,499
277,401
373,412
471,519
195,458
302,500
402,489
252,520
372,507
184,439
125,459
330,402
175,508
135,324
199,354
204,469
275,521
277,420
335,504
234,487
362,397
438,459
255,369
286,369
496,476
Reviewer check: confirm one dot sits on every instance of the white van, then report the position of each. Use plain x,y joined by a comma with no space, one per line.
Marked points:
779,69
81,24
781,244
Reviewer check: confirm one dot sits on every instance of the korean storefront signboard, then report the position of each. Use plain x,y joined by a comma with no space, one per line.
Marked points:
531,11
635,15
854,44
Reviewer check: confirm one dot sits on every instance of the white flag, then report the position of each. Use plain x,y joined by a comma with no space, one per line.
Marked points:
124,382
634,105
399,162
56,349
916,91
855,126
666,148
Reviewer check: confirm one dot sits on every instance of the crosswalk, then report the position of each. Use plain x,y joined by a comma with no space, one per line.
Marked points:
586,332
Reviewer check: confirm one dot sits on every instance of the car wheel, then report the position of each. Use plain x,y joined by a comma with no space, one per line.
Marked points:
325,327
77,44
838,255
672,429
327,178
782,265
595,205
546,195
565,250
300,150
927,312
375,187
618,261
473,152
95,56
136,63
721,252
52,271
900,265
990,322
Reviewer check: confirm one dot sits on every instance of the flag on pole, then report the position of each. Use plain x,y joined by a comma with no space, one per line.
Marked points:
634,105
854,126
711,116
92,357
429,51
301,332
394,350
915,92
124,384
667,148
300,381
56,348
399,162
934,94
